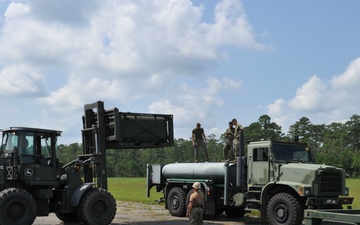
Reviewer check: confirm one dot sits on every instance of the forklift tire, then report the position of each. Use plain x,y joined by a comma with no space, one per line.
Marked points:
176,202
68,217
284,209
18,207
97,207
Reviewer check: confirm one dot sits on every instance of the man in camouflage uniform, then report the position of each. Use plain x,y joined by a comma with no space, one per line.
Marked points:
199,140
238,127
195,209
229,136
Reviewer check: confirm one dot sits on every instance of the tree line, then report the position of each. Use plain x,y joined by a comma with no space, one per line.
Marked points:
336,144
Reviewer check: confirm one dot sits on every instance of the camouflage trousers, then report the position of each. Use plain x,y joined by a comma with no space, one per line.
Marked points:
200,143
228,146
236,147
196,216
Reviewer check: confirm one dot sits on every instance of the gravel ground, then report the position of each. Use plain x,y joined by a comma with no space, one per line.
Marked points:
142,214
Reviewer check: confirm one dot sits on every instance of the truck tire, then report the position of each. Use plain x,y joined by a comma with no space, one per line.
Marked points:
176,202
97,207
284,209
18,207
235,212
68,217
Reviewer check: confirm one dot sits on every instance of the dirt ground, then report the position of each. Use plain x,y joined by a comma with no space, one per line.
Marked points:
142,214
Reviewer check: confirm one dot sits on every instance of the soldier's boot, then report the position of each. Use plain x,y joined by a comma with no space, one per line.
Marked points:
196,158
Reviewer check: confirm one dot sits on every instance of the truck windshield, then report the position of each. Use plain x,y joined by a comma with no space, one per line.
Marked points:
291,153
10,144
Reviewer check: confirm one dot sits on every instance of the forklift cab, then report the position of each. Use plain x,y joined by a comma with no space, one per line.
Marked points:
30,155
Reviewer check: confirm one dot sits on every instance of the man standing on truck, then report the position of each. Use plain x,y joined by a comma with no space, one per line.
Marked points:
195,208
238,127
199,140
229,136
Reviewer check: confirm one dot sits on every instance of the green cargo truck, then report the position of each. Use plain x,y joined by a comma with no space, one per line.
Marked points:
279,179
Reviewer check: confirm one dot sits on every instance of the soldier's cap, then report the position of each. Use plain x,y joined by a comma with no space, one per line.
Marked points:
196,185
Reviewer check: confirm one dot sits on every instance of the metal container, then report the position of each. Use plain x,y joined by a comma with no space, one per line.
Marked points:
211,170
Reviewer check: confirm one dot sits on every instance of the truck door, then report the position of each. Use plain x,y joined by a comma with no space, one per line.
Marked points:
259,167
37,159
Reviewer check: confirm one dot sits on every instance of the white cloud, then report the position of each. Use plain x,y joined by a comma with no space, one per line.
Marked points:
16,9
346,85
309,96
154,52
276,107
323,102
21,80
231,26
194,104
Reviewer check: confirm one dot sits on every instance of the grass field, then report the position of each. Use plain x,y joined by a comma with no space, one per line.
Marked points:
134,190
354,186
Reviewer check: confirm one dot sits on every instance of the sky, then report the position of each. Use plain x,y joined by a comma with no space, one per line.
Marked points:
203,61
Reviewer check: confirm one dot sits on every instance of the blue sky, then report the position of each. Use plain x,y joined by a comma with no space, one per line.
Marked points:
202,61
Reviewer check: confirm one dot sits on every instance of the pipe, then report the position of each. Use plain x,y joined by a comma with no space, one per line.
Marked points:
240,168
226,184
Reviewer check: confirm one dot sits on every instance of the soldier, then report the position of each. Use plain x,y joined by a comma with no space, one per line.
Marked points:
195,210
238,127
229,136
199,140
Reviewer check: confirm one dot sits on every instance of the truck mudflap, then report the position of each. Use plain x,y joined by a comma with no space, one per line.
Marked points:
348,216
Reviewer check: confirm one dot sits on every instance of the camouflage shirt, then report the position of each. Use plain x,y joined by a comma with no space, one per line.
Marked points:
229,133
237,130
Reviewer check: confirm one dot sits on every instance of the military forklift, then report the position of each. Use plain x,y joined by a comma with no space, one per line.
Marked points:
34,182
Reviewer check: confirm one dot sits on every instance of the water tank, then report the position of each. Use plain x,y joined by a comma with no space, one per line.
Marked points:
212,170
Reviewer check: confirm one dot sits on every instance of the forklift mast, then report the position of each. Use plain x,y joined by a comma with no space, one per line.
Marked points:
111,129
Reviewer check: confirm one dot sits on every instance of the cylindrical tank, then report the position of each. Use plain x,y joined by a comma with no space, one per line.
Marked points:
213,171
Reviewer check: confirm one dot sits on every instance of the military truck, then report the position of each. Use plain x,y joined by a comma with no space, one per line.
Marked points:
34,182
278,179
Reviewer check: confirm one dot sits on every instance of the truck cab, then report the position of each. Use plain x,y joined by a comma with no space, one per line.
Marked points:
265,157
283,176
29,156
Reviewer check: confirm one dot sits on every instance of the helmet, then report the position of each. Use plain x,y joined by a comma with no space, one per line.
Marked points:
196,185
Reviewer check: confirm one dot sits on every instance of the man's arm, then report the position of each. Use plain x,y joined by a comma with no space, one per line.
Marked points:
191,204
204,136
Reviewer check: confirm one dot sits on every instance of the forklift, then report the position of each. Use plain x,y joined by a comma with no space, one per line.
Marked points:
34,182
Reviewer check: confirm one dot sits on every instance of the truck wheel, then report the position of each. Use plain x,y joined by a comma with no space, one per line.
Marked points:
235,212
176,202
18,207
97,207
68,217
284,209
